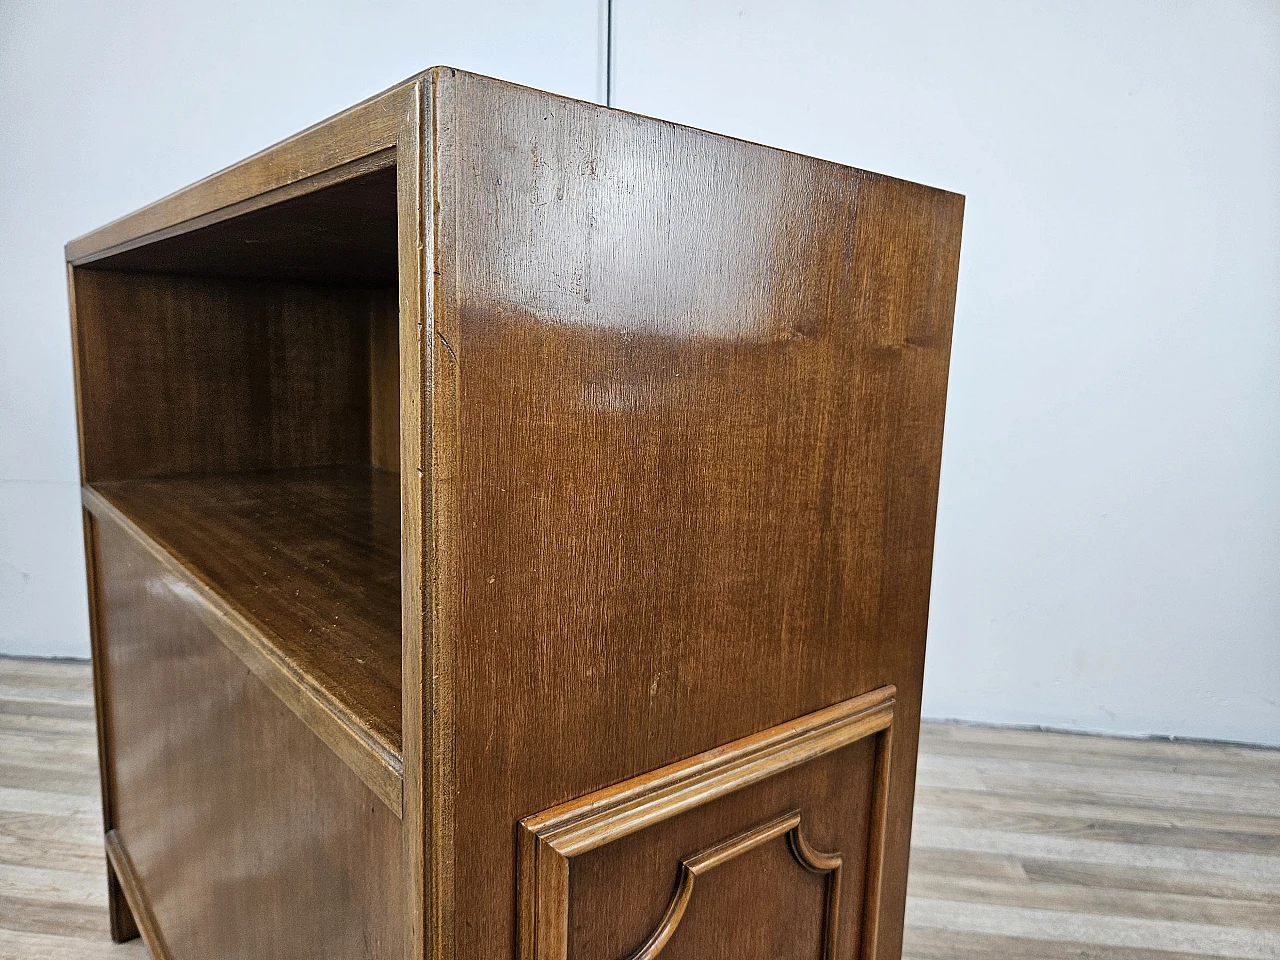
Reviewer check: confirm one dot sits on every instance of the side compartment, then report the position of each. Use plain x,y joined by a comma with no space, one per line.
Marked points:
224,804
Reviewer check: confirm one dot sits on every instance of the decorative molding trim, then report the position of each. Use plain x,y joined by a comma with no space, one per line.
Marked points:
548,841
127,874
819,862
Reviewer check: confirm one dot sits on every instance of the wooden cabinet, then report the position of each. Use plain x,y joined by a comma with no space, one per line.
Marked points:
510,524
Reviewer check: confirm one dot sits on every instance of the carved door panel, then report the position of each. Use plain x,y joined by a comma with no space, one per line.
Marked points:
769,847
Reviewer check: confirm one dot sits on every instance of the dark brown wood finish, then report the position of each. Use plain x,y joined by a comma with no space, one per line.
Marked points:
823,777
120,916
666,410
436,668
248,836
122,866
229,274
620,896
423,851
974,864
384,381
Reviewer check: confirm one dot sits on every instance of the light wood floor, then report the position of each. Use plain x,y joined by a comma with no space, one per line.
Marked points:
1028,846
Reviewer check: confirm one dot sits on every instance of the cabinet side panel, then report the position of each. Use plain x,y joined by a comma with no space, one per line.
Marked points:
246,832
904,274
699,421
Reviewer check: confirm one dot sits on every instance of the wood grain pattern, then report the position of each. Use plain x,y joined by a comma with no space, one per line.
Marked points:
140,908
242,826
421,880
330,230
53,905
788,825
427,839
384,381
298,573
199,349
123,925
435,664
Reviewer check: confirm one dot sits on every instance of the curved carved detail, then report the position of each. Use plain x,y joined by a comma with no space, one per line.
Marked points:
671,919
693,867
812,860
818,861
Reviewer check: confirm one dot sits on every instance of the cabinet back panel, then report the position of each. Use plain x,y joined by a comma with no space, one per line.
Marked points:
185,374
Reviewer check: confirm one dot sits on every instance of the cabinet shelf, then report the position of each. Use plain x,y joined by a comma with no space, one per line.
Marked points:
300,570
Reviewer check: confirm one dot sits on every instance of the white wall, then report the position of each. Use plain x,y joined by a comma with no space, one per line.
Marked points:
106,106
1108,551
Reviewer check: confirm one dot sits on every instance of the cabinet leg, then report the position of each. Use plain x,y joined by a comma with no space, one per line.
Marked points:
123,926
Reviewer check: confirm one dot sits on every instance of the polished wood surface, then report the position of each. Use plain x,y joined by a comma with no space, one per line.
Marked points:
668,427
208,369
306,562
688,399
779,938
123,925
1027,845
422,724
283,851
125,873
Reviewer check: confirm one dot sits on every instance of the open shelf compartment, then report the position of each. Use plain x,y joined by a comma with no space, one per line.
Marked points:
239,396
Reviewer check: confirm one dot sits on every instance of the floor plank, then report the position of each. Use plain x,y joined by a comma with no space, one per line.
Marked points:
1049,846
926,943
1065,925
1028,845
